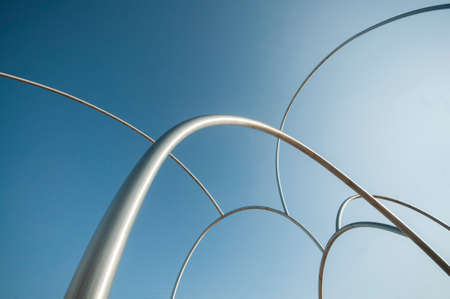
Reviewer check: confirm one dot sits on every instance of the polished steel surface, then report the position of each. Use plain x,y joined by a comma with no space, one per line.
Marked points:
127,124
351,198
203,234
344,229
95,273
291,103
98,266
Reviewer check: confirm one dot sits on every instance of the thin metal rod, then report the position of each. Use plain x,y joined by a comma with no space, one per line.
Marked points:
348,227
127,124
203,234
96,271
291,103
351,198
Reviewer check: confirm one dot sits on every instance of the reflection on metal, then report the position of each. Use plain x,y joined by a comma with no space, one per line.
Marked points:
127,124
102,256
96,271
203,234
98,266
348,227
351,198
291,103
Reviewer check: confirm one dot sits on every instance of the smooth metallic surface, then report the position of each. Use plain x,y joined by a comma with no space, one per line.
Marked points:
351,198
203,234
127,124
348,227
291,103
98,266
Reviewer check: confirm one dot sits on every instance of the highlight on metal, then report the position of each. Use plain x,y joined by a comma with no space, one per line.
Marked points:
95,273
118,119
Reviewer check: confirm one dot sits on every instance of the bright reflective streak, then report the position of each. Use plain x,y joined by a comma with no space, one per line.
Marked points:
98,266
127,124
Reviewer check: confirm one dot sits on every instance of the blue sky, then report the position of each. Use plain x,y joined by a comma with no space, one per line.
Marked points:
379,110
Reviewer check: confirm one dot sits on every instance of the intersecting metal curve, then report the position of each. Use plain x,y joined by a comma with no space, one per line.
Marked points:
242,209
348,227
351,198
96,271
283,120
127,124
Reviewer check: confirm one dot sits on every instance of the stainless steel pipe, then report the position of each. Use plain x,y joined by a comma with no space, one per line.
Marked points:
120,120
96,271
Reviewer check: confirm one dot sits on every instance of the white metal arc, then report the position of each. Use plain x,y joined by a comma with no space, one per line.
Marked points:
291,103
351,198
344,229
96,271
242,209
127,124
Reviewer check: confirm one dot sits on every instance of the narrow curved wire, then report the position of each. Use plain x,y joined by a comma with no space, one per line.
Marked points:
351,198
283,120
348,227
242,209
127,124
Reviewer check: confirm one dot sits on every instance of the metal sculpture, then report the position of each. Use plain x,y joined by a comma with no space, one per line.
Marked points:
95,273
94,276
316,68
344,229
116,118
396,201
236,211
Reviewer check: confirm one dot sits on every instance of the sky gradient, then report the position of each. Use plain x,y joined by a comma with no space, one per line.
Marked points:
379,110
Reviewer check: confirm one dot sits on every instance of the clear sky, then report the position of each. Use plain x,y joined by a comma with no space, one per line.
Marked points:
379,110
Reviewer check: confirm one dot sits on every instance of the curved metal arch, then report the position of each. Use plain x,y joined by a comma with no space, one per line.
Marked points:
242,209
96,271
351,198
125,123
348,227
291,103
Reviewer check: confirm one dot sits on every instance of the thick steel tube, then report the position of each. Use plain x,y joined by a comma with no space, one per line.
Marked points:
118,119
98,266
